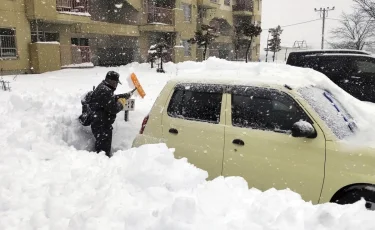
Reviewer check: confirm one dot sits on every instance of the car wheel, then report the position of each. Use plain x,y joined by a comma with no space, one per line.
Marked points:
354,196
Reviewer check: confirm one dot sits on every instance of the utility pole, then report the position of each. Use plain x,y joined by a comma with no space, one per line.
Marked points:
323,14
268,38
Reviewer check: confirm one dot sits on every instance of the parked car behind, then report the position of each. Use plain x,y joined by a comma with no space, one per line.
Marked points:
352,70
271,135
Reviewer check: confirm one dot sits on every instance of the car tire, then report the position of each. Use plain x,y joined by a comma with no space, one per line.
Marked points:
356,195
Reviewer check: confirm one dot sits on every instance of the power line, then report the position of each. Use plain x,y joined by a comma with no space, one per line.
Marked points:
334,19
300,23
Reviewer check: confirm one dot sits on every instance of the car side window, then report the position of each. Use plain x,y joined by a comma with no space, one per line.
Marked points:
333,65
196,103
364,66
266,110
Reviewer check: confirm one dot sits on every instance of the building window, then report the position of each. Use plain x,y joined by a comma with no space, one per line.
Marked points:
187,48
80,41
227,2
187,12
45,36
8,46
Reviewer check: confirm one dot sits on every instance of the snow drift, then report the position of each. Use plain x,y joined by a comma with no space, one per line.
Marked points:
50,180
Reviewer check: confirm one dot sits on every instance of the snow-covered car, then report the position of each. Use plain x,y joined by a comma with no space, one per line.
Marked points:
272,135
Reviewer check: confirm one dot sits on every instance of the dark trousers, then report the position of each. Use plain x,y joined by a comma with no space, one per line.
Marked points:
103,139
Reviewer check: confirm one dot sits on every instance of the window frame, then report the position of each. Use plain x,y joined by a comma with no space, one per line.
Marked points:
249,91
14,36
43,35
187,6
202,88
187,48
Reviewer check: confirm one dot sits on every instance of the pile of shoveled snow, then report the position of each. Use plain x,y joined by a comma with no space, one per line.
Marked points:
50,181
54,187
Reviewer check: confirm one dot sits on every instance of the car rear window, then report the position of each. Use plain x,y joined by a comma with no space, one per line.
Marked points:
196,103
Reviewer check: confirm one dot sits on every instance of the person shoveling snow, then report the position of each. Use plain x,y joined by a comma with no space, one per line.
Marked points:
103,107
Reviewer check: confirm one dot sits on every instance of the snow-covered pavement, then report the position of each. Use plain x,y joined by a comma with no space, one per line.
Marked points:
48,179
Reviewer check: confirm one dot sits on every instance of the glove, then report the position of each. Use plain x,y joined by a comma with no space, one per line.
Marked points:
125,95
122,102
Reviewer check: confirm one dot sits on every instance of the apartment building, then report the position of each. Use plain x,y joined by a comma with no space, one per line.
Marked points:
38,36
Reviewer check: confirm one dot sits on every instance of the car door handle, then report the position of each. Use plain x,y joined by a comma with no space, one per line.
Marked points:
238,142
174,131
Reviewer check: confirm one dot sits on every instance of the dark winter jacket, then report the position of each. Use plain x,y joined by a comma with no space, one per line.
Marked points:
104,105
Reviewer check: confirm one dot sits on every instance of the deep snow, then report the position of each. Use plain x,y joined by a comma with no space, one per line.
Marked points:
50,181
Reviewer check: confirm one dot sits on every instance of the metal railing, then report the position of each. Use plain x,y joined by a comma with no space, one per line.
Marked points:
5,85
78,6
243,5
75,54
8,46
160,15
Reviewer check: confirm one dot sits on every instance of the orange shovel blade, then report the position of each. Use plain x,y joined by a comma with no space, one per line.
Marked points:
135,81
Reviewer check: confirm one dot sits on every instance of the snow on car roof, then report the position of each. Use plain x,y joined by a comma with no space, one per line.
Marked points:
250,74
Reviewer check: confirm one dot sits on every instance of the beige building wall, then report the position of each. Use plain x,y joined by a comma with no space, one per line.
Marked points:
12,15
185,30
45,58
19,14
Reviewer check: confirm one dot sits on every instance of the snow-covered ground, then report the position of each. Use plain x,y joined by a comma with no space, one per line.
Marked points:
49,179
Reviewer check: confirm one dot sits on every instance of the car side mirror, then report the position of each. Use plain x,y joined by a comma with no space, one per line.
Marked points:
303,129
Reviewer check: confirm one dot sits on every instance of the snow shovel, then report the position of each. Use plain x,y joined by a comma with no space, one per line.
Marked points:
137,85
133,82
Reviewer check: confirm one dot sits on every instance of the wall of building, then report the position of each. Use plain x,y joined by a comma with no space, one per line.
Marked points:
12,16
185,29
128,28
45,57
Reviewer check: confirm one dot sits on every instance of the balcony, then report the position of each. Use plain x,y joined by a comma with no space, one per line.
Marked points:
73,6
209,4
159,15
243,7
158,19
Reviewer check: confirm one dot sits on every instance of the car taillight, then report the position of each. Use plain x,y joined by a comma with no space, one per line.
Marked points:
144,123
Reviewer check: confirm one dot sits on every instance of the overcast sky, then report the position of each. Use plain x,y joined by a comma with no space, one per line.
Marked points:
286,12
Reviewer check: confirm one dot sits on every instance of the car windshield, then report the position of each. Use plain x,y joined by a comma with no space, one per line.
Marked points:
330,110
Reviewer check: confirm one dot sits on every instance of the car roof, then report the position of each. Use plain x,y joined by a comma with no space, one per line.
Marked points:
234,82
338,55
267,75
326,51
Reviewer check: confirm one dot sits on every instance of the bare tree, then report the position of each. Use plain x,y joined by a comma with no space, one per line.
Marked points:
355,31
367,6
